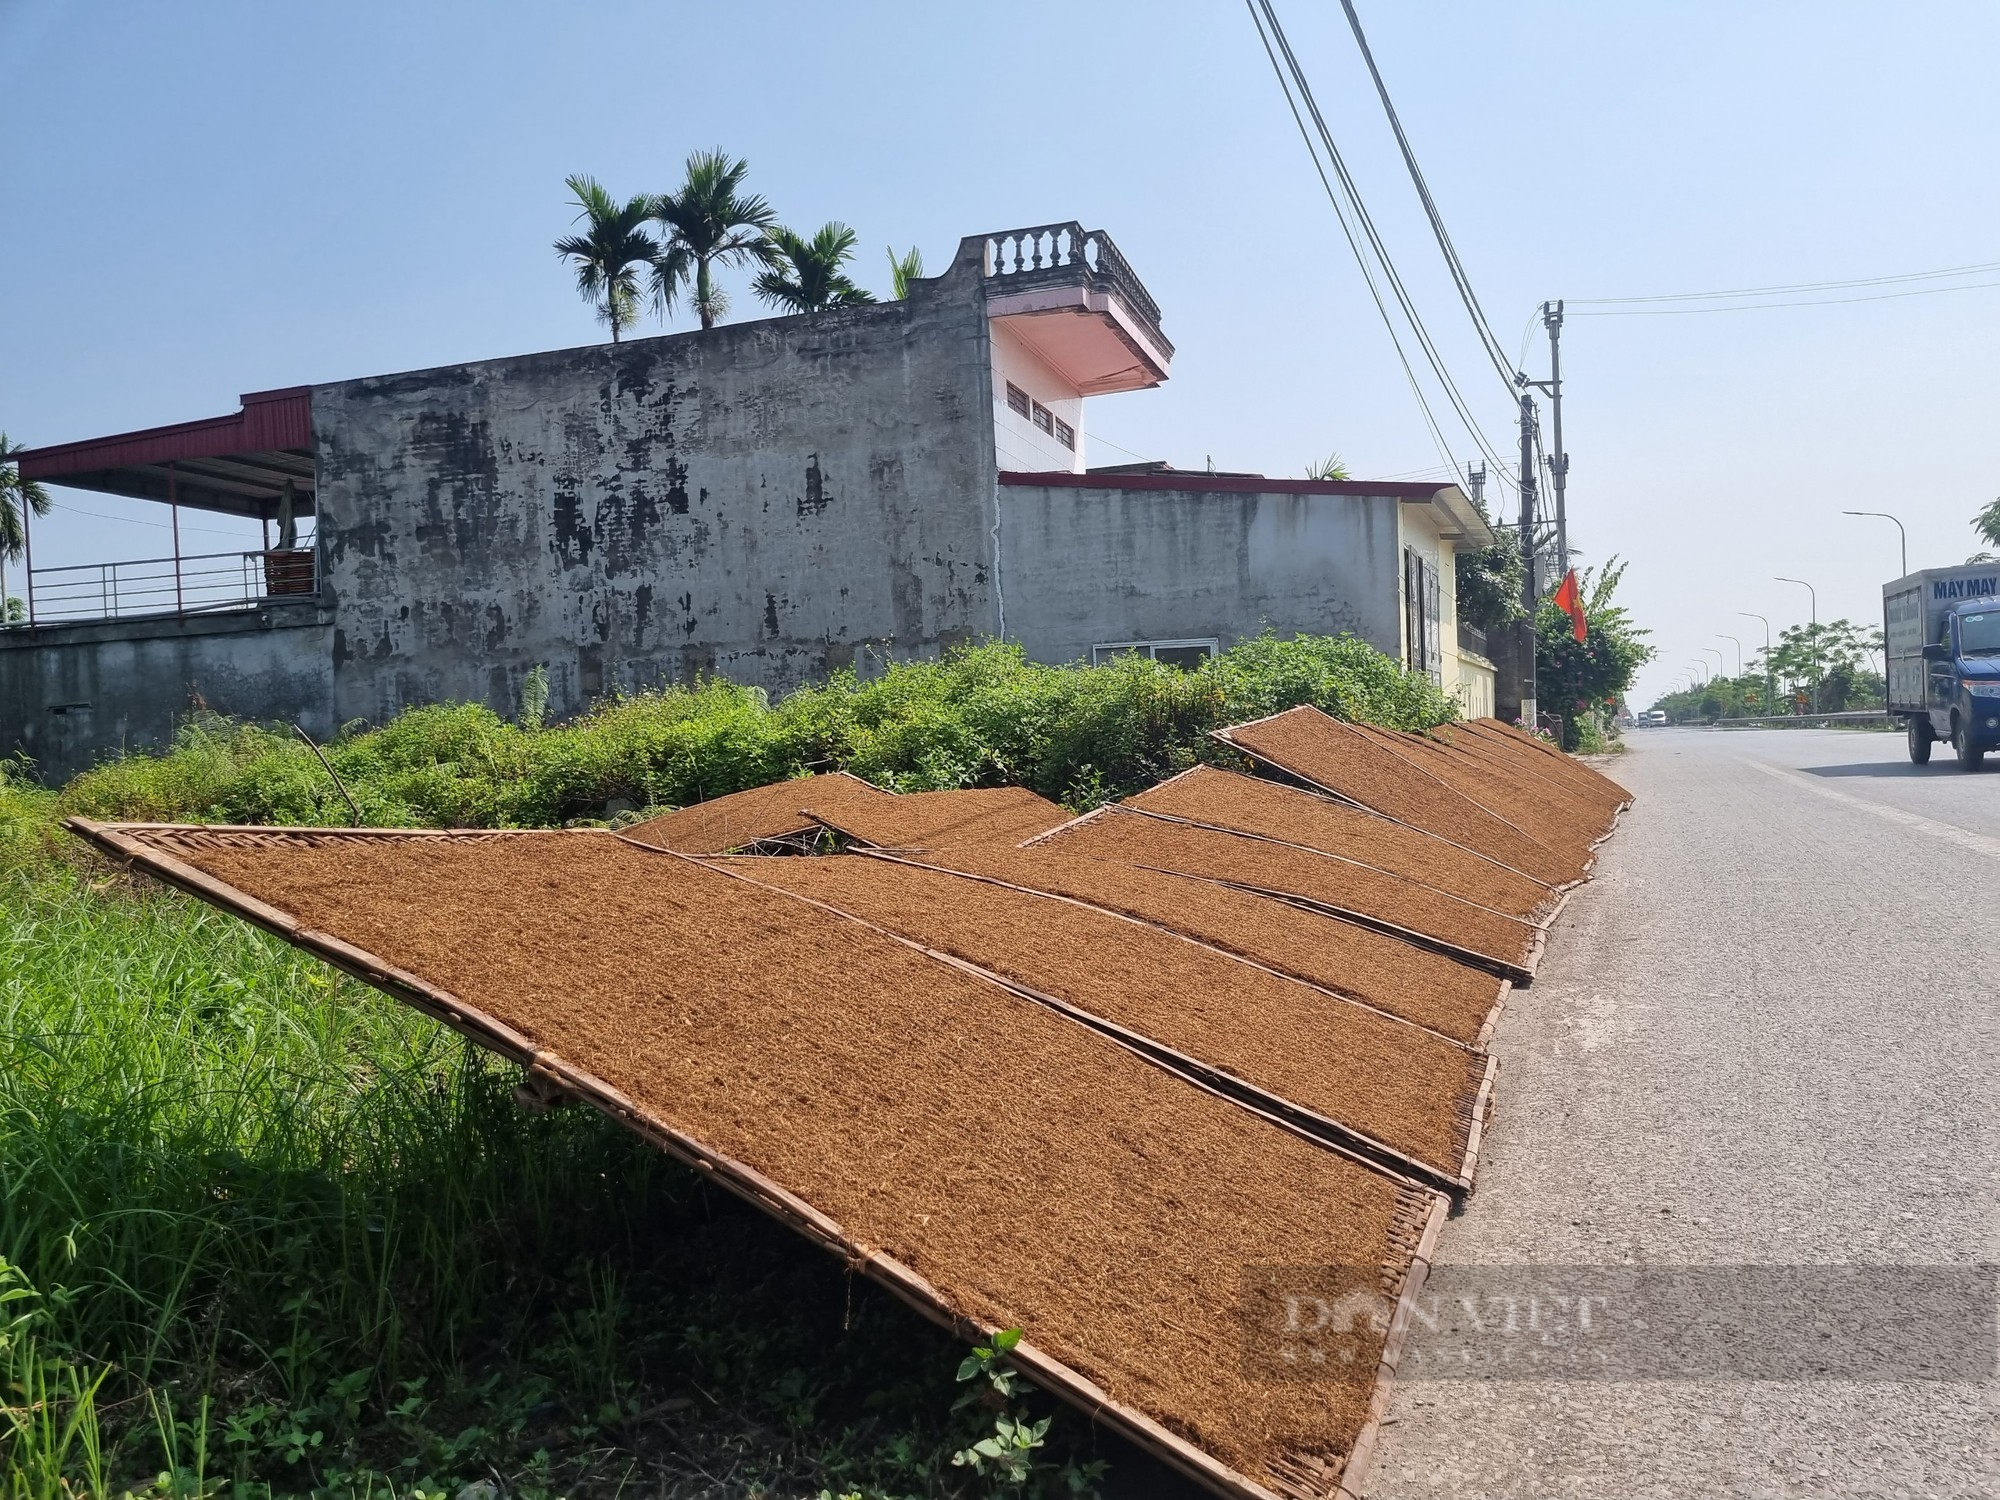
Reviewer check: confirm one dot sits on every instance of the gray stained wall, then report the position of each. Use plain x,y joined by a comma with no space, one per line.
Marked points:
766,501
71,695
1081,567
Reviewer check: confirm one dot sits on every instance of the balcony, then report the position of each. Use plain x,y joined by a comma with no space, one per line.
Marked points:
203,584
1068,293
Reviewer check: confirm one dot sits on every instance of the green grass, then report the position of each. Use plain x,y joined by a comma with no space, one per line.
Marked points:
264,1232
270,1233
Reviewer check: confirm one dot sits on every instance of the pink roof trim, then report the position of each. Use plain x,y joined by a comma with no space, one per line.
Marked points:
1223,484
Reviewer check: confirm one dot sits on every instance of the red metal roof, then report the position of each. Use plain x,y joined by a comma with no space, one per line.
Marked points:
238,463
269,420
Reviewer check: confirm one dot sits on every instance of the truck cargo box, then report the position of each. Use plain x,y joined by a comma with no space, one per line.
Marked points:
1913,612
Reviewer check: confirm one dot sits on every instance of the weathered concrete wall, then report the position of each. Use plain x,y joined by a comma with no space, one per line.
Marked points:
72,695
1082,567
766,501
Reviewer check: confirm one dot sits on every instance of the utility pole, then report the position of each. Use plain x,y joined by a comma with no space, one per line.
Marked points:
1531,596
1475,475
1552,319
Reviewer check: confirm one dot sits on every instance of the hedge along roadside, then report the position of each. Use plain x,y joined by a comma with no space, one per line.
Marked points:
982,716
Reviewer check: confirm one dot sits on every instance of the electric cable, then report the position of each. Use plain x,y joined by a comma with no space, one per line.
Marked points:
1430,420
1376,242
1796,287
1460,279
1669,312
1263,15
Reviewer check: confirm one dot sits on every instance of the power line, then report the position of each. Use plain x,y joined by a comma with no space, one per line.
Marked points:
98,515
1263,15
1463,282
1802,286
1671,312
1430,420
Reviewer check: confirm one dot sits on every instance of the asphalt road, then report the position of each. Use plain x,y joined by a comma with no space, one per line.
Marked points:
1767,1034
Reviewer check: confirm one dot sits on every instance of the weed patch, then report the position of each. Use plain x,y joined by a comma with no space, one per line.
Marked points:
982,717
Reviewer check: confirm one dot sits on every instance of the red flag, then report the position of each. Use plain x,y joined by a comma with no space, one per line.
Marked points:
1570,601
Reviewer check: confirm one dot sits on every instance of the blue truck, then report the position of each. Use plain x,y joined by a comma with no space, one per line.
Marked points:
1941,628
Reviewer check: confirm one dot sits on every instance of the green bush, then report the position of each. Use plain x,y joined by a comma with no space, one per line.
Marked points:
982,716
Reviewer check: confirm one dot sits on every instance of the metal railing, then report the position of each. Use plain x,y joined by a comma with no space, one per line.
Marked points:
1864,717
206,583
1064,254
1471,638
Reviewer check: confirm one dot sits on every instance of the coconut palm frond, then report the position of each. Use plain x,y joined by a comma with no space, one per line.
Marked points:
16,494
811,275
903,270
611,252
709,222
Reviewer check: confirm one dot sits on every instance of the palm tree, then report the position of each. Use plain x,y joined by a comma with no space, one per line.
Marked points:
709,223
610,252
14,493
810,278
1330,467
903,270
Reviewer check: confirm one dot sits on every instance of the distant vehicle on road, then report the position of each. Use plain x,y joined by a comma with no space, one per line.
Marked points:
1942,629
1657,718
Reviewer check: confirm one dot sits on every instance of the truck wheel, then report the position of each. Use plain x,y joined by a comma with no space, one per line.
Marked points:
1969,758
1920,739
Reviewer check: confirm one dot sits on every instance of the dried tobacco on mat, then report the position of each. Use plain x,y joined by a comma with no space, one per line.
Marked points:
1413,983
1304,742
723,824
1263,865
936,820
1037,1173
1563,822
1404,1086
1250,804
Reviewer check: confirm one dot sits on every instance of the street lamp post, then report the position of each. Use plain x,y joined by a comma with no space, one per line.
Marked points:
1883,514
1739,649
1813,594
1770,677
1721,661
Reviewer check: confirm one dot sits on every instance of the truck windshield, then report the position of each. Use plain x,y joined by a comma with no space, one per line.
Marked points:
1979,635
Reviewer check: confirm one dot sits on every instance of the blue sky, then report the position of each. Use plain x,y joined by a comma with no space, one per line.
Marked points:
207,198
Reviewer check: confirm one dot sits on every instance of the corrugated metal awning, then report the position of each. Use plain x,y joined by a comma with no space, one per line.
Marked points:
237,464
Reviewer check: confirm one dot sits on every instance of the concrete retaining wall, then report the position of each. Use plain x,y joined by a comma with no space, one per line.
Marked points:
72,695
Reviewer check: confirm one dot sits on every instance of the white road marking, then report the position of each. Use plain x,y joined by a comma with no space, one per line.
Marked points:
1978,843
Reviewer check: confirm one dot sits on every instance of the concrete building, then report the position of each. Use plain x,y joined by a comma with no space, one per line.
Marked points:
768,501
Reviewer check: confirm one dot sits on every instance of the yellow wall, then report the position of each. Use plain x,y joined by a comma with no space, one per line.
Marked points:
1465,676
